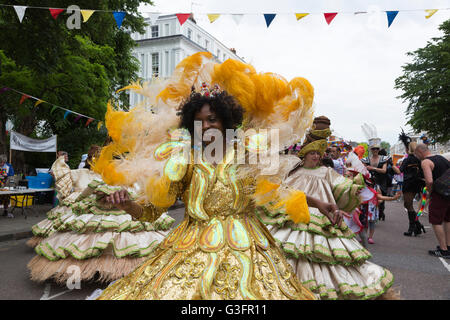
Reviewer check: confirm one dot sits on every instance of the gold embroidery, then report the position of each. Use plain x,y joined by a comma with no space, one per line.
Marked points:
227,280
188,272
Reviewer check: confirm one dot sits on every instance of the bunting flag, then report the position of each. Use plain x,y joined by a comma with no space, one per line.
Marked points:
55,12
77,118
153,17
38,102
391,16
269,18
182,17
23,98
237,18
53,109
301,15
4,89
86,14
430,13
66,114
119,16
330,16
20,10
89,120
213,17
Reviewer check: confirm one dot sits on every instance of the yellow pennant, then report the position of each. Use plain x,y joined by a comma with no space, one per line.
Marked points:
300,15
213,17
430,13
99,125
87,14
38,102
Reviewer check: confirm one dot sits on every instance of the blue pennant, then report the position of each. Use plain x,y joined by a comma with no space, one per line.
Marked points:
119,15
391,16
269,18
66,114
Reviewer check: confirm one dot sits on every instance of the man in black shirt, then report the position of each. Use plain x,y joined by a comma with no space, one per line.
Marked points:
434,166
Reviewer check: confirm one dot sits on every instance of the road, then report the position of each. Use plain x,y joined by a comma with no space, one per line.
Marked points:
417,275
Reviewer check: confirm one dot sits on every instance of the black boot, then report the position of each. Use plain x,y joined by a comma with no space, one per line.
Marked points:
418,228
412,223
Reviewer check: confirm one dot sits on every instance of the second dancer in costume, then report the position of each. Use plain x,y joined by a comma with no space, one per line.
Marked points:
327,258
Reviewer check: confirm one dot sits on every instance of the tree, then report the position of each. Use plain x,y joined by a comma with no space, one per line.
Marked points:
425,84
78,69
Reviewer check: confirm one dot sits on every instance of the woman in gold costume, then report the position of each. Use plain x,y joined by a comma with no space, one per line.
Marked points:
220,250
327,258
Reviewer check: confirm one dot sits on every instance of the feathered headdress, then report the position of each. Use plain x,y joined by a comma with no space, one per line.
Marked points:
405,139
370,131
269,101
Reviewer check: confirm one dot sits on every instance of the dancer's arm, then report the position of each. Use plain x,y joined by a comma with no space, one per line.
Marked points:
330,210
121,200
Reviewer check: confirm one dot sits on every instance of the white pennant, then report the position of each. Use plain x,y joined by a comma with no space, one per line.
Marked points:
20,10
237,18
153,17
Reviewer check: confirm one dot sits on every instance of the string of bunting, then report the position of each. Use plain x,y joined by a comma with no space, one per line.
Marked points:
25,96
237,17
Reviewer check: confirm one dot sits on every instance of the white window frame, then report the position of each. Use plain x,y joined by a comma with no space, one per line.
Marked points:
155,31
155,65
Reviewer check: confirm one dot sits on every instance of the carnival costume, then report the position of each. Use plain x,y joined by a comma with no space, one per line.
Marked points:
220,250
82,232
327,259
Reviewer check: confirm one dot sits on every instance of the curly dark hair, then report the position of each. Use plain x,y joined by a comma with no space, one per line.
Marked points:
225,106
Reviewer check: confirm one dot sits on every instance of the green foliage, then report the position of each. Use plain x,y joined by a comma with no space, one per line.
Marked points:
78,69
366,148
386,146
425,84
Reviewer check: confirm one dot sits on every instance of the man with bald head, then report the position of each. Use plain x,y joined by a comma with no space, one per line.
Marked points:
435,166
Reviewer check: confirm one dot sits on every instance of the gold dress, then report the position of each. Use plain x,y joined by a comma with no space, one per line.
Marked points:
327,259
219,251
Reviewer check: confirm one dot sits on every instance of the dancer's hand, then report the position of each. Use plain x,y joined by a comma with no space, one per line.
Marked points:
332,212
120,199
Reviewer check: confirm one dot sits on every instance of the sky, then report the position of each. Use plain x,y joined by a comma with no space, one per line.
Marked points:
351,63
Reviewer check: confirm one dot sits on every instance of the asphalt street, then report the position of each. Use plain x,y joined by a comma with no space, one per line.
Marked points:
418,276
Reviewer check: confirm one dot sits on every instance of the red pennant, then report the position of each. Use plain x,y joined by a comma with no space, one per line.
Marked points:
24,97
330,16
182,17
55,12
88,121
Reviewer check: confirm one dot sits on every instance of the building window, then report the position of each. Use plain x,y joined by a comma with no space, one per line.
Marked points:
189,34
199,38
167,30
224,57
218,53
206,44
155,64
155,31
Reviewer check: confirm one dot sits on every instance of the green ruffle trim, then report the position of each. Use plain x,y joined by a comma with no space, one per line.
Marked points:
352,292
318,224
54,254
321,254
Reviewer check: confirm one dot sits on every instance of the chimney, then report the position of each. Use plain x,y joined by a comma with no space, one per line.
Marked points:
233,50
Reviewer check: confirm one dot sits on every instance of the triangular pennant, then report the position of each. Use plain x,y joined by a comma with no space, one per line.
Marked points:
119,16
4,89
330,16
430,13
38,102
20,10
237,18
55,12
24,97
269,18
53,109
66,114
182,17
153,17
77,118
391,16
99,125
89,120
86,14
300,15
213,17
